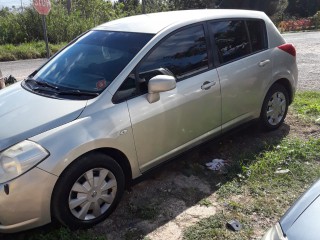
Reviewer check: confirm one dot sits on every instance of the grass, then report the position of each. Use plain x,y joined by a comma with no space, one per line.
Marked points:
259,196
307,105
32,50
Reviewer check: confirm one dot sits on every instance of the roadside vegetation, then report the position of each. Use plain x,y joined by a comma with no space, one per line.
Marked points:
32,50
69,18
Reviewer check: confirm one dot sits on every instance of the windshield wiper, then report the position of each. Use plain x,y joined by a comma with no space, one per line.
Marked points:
42,83
77,93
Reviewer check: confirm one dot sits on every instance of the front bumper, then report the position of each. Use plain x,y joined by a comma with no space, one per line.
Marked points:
27,205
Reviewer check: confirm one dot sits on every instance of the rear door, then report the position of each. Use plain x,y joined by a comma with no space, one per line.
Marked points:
244,66
183,116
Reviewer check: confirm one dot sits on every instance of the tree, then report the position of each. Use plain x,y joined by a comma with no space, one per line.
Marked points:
303,8
269,7
191,4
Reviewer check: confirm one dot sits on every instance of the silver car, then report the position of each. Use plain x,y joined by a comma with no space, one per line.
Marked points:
127,96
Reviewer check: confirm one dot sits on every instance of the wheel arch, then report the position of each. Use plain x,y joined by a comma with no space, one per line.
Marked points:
287,85
121,159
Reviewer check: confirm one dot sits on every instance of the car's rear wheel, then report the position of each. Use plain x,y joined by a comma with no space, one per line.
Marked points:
88,191
275,107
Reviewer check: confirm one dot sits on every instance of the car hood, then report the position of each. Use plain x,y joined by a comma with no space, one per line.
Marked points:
301,221
24,114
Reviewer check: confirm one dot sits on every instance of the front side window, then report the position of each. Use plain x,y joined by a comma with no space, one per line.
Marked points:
182,54
231,39
90,64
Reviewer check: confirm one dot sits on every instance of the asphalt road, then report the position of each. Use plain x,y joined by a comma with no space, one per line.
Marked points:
20,69
308,58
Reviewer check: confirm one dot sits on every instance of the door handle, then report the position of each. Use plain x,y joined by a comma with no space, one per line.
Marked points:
264,63
207,85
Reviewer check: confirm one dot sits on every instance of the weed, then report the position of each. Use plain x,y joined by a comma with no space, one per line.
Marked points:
146,211
205,203
307,105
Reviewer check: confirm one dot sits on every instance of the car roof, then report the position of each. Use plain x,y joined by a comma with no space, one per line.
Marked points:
154,22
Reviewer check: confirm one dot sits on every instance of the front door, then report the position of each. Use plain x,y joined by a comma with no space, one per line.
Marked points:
183,116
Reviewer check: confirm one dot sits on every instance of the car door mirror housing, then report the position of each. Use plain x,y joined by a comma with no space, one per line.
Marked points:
159,83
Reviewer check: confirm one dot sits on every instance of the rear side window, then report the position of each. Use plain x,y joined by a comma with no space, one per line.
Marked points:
238,38
231,39
257,33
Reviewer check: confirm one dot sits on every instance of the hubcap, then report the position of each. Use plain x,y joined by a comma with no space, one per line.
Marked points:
92,194
276,108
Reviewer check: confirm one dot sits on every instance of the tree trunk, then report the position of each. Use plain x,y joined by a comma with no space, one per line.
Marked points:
69,6
143,6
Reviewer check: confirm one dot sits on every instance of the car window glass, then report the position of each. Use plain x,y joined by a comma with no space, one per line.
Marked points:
231,39
182,54
257,32
93,61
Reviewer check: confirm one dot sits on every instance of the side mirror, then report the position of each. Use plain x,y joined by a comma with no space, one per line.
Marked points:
159,83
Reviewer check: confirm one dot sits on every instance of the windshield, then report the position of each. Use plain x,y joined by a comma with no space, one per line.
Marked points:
92,62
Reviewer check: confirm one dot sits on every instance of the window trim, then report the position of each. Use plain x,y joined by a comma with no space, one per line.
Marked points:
215,48
211,64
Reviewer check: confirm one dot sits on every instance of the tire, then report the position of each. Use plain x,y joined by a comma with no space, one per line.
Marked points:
275,107
88,191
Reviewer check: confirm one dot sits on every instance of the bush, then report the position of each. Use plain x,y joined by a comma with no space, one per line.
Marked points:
26,26
10,52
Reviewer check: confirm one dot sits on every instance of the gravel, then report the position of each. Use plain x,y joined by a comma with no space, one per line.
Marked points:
308,58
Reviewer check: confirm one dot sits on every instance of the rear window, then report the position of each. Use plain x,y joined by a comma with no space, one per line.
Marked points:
236,39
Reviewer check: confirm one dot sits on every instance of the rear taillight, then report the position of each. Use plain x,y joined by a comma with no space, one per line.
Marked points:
288,48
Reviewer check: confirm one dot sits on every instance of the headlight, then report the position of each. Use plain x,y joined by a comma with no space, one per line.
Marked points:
20,158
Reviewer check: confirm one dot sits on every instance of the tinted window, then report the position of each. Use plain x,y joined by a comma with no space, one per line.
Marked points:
257,32
231,39
182,54
93,61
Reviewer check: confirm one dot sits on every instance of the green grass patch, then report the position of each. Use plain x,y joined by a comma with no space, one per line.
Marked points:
260,192
307,105
32,50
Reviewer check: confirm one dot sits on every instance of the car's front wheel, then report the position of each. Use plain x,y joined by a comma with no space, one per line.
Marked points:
275,107
88,191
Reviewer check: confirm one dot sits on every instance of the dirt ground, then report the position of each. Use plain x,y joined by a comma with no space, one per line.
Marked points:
183,192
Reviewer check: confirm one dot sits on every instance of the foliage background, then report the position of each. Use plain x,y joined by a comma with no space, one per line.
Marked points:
69,18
